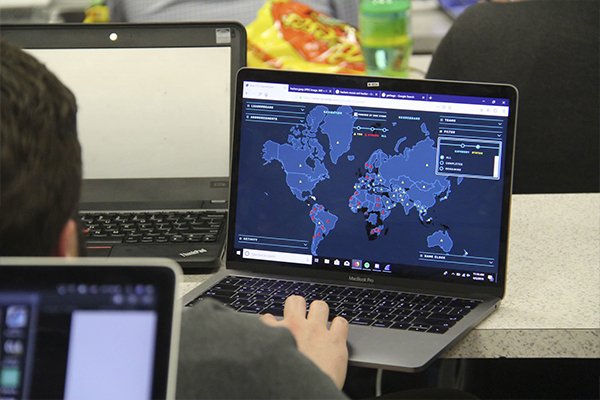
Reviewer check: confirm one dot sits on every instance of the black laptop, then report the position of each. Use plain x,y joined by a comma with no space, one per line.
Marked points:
387,198
88,328
155,108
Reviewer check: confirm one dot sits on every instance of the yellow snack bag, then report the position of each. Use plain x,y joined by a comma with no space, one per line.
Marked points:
290,35
97,13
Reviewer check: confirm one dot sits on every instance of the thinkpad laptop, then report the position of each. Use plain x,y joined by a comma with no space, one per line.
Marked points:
154,111
387,198
88,328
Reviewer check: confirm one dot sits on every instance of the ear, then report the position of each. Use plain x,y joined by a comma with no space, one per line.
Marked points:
67,240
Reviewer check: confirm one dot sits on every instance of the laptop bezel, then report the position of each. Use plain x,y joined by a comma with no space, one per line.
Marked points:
131,35
495,290
163,273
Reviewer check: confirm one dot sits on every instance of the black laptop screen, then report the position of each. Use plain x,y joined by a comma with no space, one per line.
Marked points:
371,181
78,332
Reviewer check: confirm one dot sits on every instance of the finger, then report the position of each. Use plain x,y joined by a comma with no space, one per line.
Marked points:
269,319
339,327
294,307
318,312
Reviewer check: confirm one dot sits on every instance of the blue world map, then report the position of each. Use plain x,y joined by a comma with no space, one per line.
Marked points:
404,178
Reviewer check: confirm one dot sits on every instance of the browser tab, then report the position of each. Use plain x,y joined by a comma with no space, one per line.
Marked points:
357,92
404,96
310,89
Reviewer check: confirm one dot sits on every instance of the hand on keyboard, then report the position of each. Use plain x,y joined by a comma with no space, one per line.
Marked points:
324,346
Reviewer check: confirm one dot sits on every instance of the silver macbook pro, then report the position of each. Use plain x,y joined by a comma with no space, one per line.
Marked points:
387,198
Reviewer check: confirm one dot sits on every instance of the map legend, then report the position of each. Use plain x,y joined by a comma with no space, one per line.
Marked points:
468,158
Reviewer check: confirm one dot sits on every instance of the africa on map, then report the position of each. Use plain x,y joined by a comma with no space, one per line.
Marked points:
406,179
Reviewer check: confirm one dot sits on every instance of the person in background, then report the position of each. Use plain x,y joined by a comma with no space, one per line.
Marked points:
549,51
243,11
222,354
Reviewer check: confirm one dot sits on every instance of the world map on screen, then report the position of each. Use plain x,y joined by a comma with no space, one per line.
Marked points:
402,181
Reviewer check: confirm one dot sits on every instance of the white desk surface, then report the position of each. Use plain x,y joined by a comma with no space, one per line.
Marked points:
419,64
552,304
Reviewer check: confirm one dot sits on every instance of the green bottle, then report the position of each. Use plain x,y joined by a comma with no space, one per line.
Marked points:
385,36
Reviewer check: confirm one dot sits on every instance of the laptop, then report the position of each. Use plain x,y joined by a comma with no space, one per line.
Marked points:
455,7
88,328
387,198
155,105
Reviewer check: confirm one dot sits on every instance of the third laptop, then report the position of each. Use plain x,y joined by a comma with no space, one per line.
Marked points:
387,198
154,111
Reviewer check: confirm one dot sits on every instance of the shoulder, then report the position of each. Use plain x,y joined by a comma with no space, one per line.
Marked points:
487,34
508,15
228,354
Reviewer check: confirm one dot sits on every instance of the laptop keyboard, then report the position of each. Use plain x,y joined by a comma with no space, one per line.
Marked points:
360,306
153,227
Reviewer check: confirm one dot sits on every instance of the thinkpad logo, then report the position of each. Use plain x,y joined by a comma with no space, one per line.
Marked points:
193,253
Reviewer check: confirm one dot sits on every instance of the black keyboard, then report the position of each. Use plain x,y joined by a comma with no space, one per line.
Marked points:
360,306
153,227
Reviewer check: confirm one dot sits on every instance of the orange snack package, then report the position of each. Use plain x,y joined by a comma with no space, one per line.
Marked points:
287,34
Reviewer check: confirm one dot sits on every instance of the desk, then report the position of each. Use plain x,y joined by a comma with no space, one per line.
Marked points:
551,308
419,64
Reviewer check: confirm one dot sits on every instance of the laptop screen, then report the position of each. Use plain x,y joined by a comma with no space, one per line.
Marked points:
149,112
78,332
404,184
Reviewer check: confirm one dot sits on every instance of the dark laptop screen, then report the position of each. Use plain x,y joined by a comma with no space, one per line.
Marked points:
78,332
410,184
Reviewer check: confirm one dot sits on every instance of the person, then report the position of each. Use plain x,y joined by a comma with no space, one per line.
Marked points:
549,51
222,353
40,160
243,11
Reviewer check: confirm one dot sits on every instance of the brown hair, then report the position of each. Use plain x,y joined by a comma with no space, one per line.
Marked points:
40,156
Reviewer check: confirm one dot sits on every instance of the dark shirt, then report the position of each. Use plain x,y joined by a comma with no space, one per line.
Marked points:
224,354
549,50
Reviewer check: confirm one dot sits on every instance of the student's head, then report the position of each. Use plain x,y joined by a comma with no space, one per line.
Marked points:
40,159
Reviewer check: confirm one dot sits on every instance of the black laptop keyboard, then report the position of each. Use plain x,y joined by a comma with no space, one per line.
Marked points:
153,227
367,307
